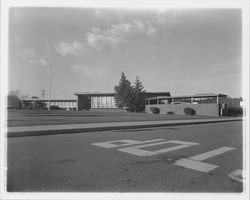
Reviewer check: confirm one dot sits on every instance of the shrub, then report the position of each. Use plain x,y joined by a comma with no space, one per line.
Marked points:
155,110
54,107
170,113
189,111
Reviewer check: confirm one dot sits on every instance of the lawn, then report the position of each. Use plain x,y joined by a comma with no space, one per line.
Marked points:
30,117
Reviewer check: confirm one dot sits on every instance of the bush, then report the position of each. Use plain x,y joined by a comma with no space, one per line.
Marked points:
231,111
54,107
189,111
155,110
170,113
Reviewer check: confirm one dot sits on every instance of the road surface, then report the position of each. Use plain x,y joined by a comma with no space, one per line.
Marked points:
191,158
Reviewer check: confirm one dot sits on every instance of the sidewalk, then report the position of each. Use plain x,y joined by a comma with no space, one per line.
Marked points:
76,128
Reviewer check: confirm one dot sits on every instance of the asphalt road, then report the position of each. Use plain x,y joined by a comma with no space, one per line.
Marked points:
193,158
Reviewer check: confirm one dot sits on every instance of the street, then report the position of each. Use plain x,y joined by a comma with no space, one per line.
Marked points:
187,158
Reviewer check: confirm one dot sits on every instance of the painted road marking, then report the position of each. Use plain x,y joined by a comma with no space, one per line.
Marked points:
121,143
194,161
211,154
138,151
195,165
237,175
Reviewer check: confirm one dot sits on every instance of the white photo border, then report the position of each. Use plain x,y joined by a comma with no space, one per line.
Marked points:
124,4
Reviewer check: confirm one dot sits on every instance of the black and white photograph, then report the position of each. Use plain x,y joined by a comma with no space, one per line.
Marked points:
141,100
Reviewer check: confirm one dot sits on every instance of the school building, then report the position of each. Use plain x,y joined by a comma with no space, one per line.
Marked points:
87,101
202,104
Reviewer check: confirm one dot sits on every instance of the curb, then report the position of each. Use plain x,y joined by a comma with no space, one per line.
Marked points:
108,128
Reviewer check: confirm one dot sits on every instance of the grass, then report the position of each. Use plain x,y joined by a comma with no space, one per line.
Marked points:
31,117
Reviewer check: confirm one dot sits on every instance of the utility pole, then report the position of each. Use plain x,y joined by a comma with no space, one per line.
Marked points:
43,93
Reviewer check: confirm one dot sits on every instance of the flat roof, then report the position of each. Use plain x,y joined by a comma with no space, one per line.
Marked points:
112,94
48,100
190,96
94,93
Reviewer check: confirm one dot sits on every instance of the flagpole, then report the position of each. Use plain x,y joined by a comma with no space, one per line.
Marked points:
50,69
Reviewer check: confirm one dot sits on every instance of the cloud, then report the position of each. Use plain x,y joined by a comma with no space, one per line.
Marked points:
101,15
29,52
166,17
98,14
70,48
40,61
118,33
32,57
90,72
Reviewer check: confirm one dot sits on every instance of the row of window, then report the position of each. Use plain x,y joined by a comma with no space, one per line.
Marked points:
195,100
63,103
103,102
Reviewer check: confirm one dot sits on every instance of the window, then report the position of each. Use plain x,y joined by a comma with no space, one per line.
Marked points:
205,99
153,101
164,101
103,102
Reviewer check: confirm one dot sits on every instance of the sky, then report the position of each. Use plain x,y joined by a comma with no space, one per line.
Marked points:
181,51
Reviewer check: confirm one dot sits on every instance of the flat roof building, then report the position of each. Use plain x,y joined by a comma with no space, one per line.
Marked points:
203,104
66,104
87,101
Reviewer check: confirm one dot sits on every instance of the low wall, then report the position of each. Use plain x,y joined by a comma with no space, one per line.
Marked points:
209,109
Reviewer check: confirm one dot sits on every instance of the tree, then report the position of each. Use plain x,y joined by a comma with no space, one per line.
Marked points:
130,97
123,93
138,95
39,105
13,101
19,94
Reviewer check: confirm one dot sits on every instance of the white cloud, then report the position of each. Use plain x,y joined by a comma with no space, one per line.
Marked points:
151,31
82,69
70,48
40,61
29,52
166,17
32,57
100,15
118,33
90,72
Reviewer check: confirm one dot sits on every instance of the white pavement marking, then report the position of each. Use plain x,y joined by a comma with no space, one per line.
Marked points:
111,144
138,151
195,165
194,161
211,154
237,175
182,144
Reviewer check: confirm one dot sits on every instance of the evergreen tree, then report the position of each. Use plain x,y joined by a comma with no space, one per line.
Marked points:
138,95
123,93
